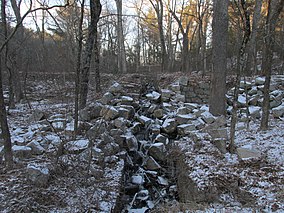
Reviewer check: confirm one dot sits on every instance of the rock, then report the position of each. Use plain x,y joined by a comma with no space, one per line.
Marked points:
275,103
91,112
220,143
22,151
191,106
247,152
145,121
36,116
169,125
166,94
245,84
115,88
259,80
111,149
153,96
136,126
151,164
185,119
98,128
185,129
161,139
158,113
162,181
158,151
175,87
126,112
109,112
254,112
252,91
278,111
218,133
37,149
38,174
76,146
207,117
59,125
137,179
179,98
131,142
183,111
242,101
183,81
107,98
126,100
120,123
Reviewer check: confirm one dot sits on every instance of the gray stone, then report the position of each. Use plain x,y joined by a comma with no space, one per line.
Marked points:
37,149
153,96
191,106
247,152
126,112
158,113
220,144
95,131
109,112
255,112
115,88
158,151
107,98
76,146
252,91
121,123
137,179
38,174
218,133
183,111
179,98
166,94
275,103
245,84
127,100
131,142
36,116
259,80
175,87
161,139
22,151
91,112
185,129
183,81
135,127
207,117
184,119
111,149
169,125
278,111
151,164
144,120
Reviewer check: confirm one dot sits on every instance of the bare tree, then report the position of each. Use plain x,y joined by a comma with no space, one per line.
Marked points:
8,154
95,9
251,58
219,57
159,9
122,68
273,11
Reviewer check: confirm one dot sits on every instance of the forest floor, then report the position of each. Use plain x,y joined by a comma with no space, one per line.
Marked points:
71,189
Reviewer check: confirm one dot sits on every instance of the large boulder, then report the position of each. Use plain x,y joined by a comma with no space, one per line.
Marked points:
158,151
76,146
115,88
37,149
36,116
248,152
22,151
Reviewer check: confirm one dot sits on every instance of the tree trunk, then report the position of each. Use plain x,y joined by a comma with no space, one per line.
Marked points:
274,9
95,8
219,57
78,67
15,75
252,52
122,68
8,154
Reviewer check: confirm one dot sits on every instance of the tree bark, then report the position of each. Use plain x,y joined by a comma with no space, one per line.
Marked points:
251,65
217,101
8,154
95,8
122,68
274,9
15,75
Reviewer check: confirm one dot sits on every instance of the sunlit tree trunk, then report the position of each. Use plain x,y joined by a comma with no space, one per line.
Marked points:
217,99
